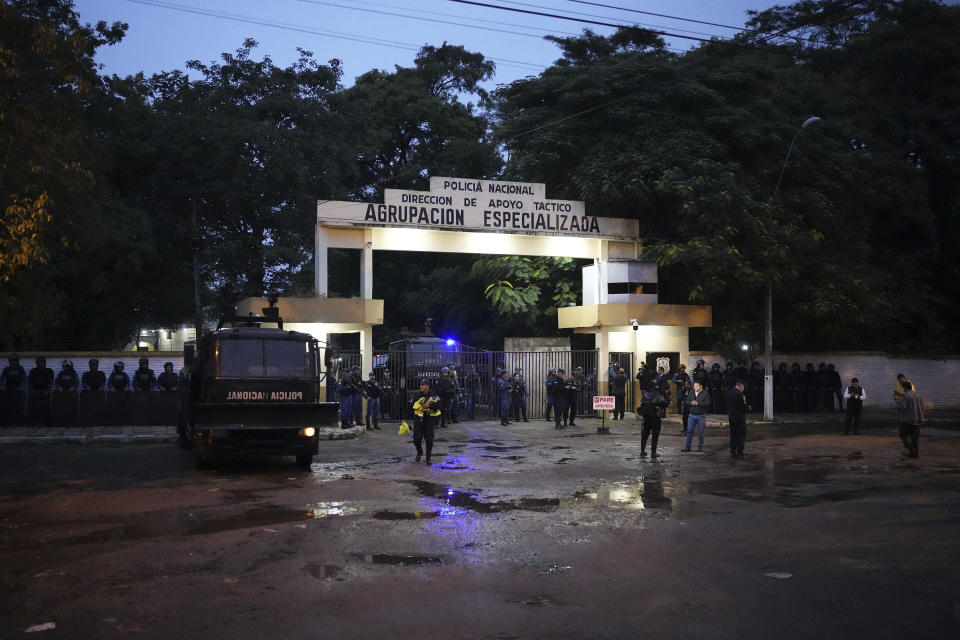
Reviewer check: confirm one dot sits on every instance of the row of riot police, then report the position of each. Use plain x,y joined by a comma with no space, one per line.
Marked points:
563,397
794,390
41,377
39,397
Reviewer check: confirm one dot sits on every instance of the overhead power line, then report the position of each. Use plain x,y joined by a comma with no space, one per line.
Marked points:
312,31
659,15
572,19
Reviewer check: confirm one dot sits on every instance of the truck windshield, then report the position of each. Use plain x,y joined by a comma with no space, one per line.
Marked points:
264,359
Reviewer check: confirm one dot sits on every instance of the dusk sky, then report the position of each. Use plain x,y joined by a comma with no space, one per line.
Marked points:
384,33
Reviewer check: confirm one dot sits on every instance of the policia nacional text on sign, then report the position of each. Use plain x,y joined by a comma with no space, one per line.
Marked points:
458,204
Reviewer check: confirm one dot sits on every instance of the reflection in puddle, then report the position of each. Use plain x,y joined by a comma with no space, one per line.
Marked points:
327,509
398,559
405,515
642,495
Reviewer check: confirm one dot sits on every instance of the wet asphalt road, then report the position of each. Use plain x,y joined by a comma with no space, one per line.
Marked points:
519,532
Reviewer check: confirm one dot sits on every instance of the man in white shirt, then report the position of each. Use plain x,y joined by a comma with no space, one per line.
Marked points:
854,395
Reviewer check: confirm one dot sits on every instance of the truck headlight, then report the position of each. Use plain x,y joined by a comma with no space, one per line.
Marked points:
308,432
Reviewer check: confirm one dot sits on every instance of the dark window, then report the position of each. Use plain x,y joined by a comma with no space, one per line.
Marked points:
264,359
631,287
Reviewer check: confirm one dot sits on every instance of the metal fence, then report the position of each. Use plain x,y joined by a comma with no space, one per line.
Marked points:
476,377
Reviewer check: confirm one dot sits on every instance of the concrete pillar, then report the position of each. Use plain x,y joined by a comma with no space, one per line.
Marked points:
366,267
603,361
321,247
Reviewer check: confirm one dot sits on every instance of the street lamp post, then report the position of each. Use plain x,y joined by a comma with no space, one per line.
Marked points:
768,311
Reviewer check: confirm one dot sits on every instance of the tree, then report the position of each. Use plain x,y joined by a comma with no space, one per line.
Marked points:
49,168
692,145
250,147
410,123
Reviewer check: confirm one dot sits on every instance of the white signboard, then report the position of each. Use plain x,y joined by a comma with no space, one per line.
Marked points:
604,403
458,204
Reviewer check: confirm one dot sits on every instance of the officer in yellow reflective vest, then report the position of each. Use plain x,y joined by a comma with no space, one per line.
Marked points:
426,413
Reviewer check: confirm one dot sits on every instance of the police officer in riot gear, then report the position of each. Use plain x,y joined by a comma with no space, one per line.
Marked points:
715,384
571,386
13,376
67,379
446,391
560,408
548,383
372,388
40,377
118,380
345,392
518,397
387,395
356,379
503,397
144,378
168,380
93,379
729,376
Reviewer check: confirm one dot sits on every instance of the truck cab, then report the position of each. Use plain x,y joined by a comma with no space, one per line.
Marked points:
254,389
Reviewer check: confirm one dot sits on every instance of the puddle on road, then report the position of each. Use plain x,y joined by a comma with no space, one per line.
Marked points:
398,559
405,515
324,571
469,501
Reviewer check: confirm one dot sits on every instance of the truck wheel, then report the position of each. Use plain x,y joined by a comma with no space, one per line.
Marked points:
183,433
304,461
199,462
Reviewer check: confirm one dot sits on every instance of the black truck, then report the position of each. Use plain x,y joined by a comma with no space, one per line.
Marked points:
253,389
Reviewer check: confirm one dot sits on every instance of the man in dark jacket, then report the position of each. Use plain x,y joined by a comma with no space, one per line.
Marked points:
737,407
651,401
699,407
910,410
618,389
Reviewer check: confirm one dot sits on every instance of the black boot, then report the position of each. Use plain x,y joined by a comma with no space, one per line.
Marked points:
368,423
375,425
429,451
419,454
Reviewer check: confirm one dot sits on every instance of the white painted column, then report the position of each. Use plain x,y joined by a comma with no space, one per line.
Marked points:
603,361
321,247
366,267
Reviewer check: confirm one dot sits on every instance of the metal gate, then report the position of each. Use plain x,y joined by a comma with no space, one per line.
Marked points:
624,360
400,372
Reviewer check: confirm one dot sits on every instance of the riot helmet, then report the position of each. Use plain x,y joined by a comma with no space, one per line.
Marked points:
93,364
168,365
67,364
144,362
118,365
41,361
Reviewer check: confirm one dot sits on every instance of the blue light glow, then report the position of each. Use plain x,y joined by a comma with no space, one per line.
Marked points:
451,342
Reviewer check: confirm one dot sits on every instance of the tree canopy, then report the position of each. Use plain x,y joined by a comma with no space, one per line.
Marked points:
102,177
